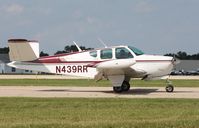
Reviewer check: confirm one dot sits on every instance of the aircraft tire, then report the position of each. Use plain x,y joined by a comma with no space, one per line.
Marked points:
117,89
125,86
169,88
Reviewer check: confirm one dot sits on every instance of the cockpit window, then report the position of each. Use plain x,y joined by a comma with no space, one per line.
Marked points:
122,53
106,54
136,51
93,53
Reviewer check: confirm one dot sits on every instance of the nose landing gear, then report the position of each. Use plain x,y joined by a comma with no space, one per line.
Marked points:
169,87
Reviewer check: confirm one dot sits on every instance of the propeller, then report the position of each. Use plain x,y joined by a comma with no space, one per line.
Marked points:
175,60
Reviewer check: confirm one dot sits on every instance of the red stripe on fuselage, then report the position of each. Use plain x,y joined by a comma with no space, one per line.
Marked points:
50,60
57,60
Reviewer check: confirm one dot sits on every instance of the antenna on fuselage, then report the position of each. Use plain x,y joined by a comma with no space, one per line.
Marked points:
79,49
102,42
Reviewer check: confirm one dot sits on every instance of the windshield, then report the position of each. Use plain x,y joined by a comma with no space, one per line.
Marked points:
136,51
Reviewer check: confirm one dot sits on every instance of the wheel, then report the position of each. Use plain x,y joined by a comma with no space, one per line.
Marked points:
117,89
125,86
169,88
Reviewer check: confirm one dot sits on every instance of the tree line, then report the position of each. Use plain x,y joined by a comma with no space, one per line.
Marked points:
72,48
184,56
67,49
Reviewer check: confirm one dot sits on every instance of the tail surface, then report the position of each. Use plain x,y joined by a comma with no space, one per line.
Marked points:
23,50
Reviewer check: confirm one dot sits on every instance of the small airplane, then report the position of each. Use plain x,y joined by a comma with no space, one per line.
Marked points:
118,63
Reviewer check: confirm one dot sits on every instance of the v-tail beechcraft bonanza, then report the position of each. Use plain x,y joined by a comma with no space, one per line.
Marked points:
118,63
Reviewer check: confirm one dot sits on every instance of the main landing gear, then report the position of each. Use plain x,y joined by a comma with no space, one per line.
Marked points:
125,87
169,87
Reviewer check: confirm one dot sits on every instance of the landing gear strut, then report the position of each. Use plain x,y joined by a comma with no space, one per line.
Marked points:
169,87
125,87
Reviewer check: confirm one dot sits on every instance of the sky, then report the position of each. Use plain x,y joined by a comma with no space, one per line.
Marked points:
154,26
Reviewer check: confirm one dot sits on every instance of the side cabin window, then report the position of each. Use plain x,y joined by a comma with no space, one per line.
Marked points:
122,53
93,53
106,54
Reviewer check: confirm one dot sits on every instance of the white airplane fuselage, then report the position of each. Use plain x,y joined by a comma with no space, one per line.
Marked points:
84,65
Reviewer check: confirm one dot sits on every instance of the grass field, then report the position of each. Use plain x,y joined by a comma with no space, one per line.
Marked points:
98,113
107,113
82,82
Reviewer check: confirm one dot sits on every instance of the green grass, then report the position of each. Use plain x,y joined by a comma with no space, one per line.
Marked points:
83,83
98,113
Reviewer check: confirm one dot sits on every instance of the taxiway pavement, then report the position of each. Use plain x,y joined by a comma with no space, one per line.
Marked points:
75,77
96,92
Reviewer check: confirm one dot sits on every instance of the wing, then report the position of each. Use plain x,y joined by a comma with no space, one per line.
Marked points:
115,70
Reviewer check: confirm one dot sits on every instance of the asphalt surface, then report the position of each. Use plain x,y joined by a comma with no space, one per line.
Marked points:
75,77
96,92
